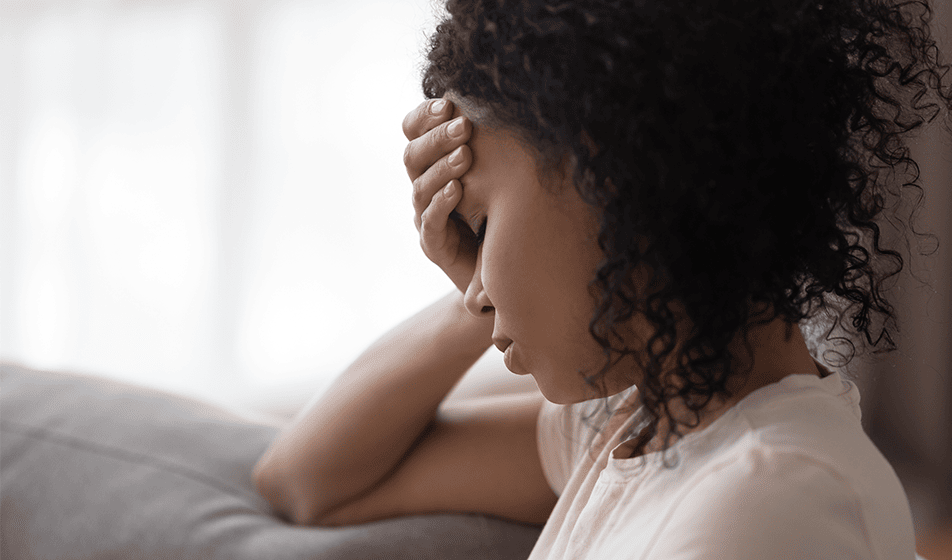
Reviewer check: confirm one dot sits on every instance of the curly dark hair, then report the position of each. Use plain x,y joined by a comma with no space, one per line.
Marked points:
757,145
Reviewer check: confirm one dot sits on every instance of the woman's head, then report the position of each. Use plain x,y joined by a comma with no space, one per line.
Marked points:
741,151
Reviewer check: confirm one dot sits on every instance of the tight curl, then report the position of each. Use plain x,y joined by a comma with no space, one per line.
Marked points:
746,152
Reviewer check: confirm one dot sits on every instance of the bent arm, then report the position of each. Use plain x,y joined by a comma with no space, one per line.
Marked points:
351,439
479,455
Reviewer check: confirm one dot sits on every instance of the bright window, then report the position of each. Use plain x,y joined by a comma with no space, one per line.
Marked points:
207,196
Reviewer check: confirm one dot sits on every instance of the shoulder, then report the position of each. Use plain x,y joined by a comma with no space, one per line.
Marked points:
762,502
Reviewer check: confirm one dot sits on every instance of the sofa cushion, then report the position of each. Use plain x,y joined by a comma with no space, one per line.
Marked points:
94,468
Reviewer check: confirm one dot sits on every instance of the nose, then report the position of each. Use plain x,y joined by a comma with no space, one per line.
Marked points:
475,299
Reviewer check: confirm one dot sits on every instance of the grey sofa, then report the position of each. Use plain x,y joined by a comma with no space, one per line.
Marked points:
95,469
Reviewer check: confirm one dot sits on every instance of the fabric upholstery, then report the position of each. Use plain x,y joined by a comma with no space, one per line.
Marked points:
93,468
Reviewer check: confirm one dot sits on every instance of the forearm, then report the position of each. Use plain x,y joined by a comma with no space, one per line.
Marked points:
361,428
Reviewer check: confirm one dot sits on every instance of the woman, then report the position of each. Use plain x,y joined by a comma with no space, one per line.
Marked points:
644,205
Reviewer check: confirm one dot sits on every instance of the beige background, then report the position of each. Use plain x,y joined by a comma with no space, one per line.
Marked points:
907,395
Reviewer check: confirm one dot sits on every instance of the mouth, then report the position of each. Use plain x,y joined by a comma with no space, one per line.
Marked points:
505,346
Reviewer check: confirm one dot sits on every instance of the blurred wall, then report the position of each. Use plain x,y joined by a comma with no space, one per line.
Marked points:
207,196
907,395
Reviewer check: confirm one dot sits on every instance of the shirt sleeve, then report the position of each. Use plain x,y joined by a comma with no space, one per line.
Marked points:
766,505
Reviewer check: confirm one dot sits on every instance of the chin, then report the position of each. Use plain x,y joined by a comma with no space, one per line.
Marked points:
561,395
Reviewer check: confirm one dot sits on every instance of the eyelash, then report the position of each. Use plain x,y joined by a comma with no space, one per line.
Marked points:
481,234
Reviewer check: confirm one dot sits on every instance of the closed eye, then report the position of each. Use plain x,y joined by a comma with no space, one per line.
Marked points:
481,234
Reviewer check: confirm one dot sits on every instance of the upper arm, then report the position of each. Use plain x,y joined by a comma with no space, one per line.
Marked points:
478,456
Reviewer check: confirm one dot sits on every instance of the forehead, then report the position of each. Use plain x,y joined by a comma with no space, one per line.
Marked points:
485,123
488,130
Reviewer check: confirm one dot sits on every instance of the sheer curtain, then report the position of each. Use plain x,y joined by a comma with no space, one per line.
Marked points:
207,196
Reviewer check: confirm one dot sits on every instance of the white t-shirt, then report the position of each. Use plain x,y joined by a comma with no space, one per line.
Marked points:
787,473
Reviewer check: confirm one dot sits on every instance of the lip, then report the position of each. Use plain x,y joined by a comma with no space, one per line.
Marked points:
501,343
509,356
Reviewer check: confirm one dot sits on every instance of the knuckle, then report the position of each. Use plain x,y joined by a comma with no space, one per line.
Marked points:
425,143
429,229
426,224
406,125
408,155
411,122
426,240
419,193
444,133
443,168
414,123
422,146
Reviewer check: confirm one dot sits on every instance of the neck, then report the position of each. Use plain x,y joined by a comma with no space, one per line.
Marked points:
776,349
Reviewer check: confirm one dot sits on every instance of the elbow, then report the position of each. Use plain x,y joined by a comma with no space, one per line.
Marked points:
271,485
285,493
276,486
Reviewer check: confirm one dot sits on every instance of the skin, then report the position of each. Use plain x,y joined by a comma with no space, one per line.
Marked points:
532,270
535,287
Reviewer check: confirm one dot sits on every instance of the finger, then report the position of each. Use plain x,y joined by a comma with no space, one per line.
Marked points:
451,166
423,152
425,116
435,230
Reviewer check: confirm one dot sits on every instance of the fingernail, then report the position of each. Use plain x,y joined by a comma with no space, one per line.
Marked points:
456,127
456,156
437,107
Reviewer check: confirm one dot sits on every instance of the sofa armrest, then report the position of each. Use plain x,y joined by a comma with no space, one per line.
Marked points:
93,468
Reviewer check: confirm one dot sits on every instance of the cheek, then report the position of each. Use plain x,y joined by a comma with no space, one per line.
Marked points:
567,350
557,342
509,266
544,268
